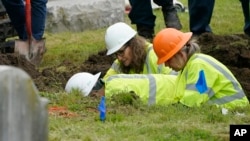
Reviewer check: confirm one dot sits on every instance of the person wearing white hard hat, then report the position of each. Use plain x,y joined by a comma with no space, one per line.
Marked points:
151,88
134,54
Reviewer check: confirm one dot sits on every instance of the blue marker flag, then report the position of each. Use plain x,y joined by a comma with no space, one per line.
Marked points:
201,84
102,109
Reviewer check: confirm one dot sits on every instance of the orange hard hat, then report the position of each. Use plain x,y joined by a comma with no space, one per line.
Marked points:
168,42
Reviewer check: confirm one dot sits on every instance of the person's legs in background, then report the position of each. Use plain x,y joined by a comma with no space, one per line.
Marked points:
37,48
39,11
16,13
169,13
200,13
142,15
245,7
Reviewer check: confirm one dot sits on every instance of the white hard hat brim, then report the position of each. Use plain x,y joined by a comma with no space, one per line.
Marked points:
93,82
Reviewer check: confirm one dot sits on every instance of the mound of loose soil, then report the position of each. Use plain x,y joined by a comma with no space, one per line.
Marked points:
231,50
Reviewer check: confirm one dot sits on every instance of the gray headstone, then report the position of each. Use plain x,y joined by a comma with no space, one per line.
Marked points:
23,113
81,15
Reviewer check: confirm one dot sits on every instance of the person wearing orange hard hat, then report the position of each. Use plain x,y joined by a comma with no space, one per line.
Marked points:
201,78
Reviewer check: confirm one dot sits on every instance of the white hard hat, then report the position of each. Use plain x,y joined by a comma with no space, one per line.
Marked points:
83,81
117,35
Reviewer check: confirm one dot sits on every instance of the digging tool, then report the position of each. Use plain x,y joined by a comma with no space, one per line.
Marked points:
28,19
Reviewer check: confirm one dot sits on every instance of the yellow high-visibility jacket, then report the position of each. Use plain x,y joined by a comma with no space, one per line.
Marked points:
150,66
151,88
205,79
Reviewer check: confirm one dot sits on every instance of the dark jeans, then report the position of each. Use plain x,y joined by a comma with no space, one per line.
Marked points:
142,13
245,7
16,12
200,13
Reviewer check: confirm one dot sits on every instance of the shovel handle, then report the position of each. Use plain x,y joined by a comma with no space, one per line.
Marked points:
28,17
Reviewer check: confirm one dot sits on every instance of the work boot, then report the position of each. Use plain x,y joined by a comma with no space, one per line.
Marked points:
37,50
7,46
22,48
146,32
170,17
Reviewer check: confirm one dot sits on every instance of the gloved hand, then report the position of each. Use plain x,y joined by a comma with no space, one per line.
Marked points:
99,84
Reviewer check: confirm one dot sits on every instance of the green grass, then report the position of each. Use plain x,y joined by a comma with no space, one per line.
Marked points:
128,122
76,46
131,120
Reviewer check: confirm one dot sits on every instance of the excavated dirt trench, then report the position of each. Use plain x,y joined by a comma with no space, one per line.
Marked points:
231,50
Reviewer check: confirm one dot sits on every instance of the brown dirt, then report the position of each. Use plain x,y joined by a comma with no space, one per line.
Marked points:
231,50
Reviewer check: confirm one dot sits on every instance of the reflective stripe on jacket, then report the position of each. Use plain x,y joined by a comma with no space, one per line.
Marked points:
151,88
222,88
150,66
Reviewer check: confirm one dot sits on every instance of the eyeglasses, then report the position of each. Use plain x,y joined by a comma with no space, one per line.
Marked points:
121,51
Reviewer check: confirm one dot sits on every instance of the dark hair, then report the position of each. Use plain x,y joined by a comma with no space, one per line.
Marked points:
99,84
139,52
191,47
